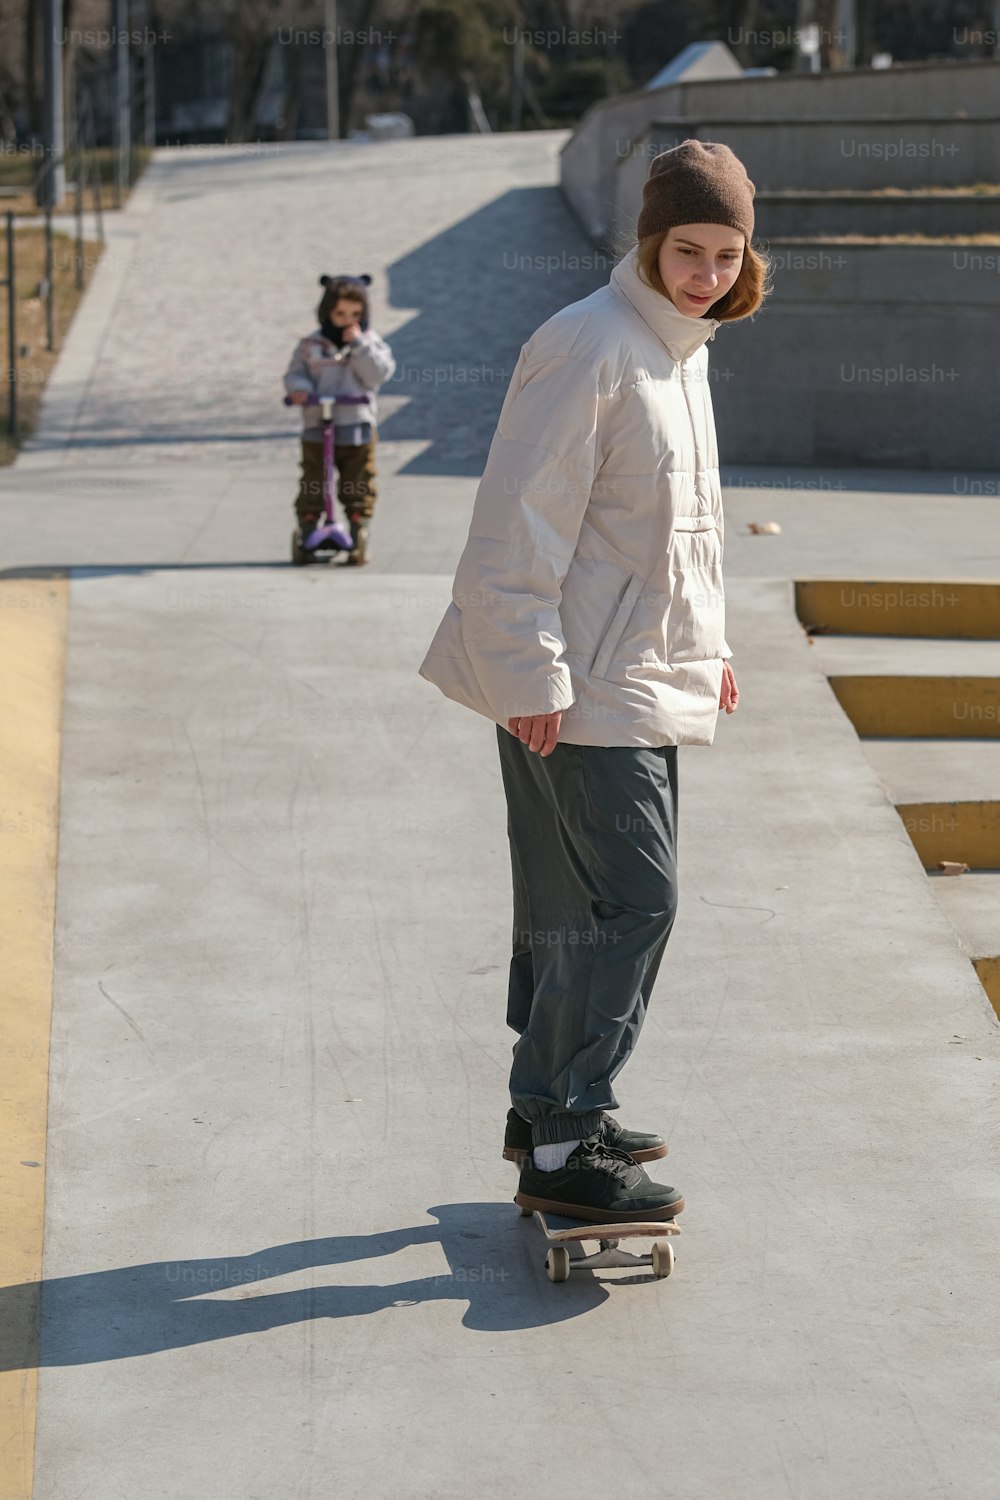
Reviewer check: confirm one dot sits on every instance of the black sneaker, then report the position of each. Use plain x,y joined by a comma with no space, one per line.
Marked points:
640,1145
600,1186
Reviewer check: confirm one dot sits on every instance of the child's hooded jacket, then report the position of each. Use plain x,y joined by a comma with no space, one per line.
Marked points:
315,369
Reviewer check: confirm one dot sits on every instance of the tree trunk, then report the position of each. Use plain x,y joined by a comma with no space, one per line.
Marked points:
292,100
733,15
34,25
69,82
826,16
349,72
250,57
866,33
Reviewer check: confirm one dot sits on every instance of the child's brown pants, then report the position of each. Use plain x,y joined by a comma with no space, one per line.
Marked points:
354,464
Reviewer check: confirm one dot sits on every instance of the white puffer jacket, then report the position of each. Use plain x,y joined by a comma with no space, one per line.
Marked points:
591,580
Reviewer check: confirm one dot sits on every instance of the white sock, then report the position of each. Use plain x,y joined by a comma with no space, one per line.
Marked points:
551,1158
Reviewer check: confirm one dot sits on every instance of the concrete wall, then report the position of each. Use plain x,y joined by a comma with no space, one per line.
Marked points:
863,354
590,160
828,154
833,372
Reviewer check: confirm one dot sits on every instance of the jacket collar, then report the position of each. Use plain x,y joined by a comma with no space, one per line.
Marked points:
681,335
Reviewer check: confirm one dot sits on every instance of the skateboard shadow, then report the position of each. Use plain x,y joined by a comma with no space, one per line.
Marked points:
495,1265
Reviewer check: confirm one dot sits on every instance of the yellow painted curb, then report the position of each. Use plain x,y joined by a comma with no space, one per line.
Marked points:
918,607
967,832
33,620
988,970
933,707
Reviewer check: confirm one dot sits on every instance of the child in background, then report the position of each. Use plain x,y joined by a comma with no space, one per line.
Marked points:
343,357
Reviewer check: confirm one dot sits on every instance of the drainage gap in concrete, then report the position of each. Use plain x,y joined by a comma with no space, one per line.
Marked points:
988,970
964,832
918,607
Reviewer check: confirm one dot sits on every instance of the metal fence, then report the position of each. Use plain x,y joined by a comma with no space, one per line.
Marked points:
86,174
9,284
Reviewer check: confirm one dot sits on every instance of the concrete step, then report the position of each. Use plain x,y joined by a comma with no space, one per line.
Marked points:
861,152
935,688
930,770
875,212
906,657
944,788
972,904
962,832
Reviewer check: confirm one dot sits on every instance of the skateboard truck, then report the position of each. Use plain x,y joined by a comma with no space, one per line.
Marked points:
559,1264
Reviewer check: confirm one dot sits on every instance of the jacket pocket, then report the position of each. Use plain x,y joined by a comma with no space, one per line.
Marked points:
695,623
615,632
703,522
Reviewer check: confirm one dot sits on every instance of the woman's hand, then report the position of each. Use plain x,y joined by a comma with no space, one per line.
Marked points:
538,731
730,696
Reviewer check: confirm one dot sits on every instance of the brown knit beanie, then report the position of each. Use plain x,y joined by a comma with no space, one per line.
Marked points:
697,182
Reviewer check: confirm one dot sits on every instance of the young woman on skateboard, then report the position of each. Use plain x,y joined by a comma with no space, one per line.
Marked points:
587,621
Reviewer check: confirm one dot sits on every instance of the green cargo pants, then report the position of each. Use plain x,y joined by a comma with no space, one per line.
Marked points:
593,835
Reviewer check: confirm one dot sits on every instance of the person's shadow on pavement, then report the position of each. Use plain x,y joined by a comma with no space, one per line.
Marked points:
495,1260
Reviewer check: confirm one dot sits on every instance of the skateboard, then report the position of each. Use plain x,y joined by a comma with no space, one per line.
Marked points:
559,1263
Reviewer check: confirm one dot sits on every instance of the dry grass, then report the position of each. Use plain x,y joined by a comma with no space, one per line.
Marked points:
17,170
977,189
35,365
817,240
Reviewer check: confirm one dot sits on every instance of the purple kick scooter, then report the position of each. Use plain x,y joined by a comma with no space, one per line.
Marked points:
331,537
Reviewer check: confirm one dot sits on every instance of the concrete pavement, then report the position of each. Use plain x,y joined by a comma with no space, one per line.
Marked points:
280,1254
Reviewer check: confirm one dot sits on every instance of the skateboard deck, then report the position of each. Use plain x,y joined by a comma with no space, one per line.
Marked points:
559,1263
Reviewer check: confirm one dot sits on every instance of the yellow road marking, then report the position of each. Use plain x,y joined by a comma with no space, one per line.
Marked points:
33,620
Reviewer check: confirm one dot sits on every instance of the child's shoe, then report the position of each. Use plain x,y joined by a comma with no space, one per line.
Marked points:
301,554
359,536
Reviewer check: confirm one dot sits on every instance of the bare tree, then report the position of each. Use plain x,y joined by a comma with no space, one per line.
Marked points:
34,23
254,28
366,14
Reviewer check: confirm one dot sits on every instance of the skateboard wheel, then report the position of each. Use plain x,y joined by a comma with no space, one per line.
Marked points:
662,1258
299,555
524,1212
557,1263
